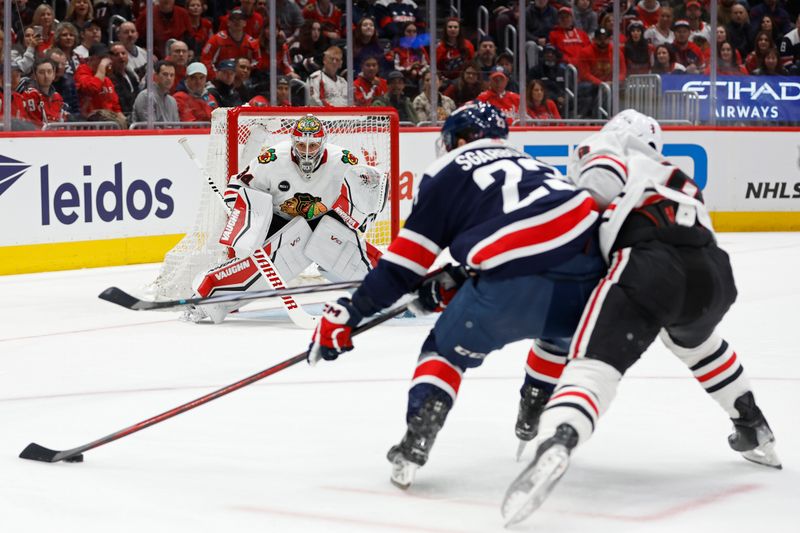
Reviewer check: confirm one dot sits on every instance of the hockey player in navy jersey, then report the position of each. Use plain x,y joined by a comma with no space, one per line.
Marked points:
667,277
525,234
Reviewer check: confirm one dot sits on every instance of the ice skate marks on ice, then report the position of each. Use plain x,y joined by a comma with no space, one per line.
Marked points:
529,490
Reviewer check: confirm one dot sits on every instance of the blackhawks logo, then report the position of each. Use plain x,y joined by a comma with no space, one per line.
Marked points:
304,205
348,158
267,156
309,125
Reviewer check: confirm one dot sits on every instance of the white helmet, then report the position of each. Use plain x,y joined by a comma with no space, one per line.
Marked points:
308,143
637,124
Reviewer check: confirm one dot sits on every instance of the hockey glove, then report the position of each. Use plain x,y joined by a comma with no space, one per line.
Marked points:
332,334
435,294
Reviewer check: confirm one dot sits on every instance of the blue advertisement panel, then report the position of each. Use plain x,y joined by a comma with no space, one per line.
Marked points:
743,98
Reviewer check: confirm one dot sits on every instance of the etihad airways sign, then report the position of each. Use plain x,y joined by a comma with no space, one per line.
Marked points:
743,98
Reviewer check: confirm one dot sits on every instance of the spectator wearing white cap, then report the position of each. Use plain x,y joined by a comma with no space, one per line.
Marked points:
195,103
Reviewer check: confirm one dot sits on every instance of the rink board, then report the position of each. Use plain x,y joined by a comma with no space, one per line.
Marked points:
86,200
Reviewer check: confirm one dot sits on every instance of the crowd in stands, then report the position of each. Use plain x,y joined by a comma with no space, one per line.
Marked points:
85,60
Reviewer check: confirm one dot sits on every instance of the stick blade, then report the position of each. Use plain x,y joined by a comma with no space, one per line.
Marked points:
35,452
117,296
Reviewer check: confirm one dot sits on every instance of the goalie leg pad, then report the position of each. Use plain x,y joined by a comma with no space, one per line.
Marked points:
248,222
286,248
236,275
340,253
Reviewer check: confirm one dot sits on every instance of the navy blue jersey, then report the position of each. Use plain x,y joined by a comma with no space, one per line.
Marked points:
498,210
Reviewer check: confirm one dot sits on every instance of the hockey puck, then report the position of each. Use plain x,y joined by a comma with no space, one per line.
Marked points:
74,459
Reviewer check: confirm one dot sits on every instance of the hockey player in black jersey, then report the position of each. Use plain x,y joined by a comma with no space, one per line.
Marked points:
667,277
525,233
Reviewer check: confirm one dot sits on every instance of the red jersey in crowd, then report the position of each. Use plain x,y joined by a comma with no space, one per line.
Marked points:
222,46
507,102
284,66
594,64
39,108
202,33
195,108
547,109
688,54
648,18
450,60
175,26
364,91
569,43
330,21
252,25
94,93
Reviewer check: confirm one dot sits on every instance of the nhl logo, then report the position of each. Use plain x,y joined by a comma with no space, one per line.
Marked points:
284,186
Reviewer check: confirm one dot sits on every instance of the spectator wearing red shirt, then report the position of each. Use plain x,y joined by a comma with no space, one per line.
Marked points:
41,103
96,93
195,104
253,21
538,105
648,12
328,15
454,51
200,27
496,94
687,53
169,22
594,68
368,85
410,57
567,38
283,92
230,44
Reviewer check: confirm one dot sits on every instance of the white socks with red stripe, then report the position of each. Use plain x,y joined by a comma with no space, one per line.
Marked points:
585,391
716,367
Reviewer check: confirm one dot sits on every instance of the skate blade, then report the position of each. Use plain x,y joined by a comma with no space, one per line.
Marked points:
403,473
764,455
521,449
534,484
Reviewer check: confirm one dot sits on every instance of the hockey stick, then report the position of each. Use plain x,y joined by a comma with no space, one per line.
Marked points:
36,452
262,261
117,296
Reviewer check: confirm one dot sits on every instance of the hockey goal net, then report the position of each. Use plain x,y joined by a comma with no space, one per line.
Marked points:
237,136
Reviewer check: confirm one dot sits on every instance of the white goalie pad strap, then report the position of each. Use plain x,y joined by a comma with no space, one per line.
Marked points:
286,248
248,222
364,193
340,253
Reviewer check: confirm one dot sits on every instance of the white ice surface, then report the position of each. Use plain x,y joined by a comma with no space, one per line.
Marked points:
304,449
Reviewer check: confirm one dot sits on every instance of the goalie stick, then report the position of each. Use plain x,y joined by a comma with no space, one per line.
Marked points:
37,452
262,261
117,296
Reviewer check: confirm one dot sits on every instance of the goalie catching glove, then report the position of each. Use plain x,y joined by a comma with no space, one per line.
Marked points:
332,334
436,293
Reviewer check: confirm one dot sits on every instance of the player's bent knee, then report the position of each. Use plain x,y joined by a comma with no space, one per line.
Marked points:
287,247
691,355
338,251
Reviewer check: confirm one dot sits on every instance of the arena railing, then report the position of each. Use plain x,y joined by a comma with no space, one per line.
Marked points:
643,93
170,125
79,126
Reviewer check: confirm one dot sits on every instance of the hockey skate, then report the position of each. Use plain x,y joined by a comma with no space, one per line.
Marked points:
529,490
196,313
412,451
531,406
752,436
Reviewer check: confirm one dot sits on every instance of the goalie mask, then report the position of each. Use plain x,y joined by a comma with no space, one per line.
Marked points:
308,143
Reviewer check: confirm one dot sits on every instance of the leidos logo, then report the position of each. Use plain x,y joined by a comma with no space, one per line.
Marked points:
10,171
107,200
